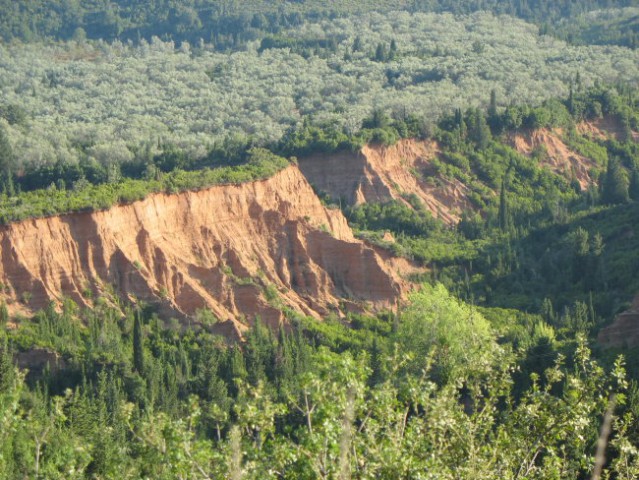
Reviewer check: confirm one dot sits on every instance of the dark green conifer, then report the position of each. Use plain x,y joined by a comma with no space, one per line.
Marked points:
615,184
633,189
138,345
4,313
504,214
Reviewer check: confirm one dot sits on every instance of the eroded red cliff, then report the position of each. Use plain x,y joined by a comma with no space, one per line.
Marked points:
237,250
553,153
383,173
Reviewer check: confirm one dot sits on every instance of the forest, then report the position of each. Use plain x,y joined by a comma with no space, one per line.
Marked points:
489,370
229,24
121,102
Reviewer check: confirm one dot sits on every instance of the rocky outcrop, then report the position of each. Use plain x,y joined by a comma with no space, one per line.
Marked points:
240,251
383,173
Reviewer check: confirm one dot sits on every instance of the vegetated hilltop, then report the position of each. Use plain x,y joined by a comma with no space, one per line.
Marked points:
543,195
229,253
446,182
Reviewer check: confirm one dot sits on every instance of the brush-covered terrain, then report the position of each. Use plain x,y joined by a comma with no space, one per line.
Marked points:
319,240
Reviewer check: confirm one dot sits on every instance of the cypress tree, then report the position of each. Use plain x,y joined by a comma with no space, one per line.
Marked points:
6,152
548,311
4,313
503,207
357,44
633,189
138,345
615,184
392,53
376,365
284,361
6,161
494,120
492,107
7,370
480,130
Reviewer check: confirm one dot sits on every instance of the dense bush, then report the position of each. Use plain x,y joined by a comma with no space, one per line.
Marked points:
429,391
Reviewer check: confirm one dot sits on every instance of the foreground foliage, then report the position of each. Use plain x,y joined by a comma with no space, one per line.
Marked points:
430,395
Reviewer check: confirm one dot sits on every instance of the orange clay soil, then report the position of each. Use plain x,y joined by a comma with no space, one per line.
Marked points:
603,128
557,156
383,173
241,251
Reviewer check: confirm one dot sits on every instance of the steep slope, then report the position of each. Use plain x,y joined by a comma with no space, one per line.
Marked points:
382,173
603,128
238,250
555,154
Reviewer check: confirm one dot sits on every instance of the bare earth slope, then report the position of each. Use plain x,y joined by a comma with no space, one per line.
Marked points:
380,174
239,250
603,128
558,157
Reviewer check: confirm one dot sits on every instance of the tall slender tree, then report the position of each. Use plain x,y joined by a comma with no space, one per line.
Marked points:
614,189
138,345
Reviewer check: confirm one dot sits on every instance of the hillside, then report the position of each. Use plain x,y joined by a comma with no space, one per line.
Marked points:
116,104
554,154
379,174
311,239
230,24
416,169
239,251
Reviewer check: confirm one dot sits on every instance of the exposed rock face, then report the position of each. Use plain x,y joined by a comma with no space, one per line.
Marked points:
624,331
557,156
380,174
238,250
